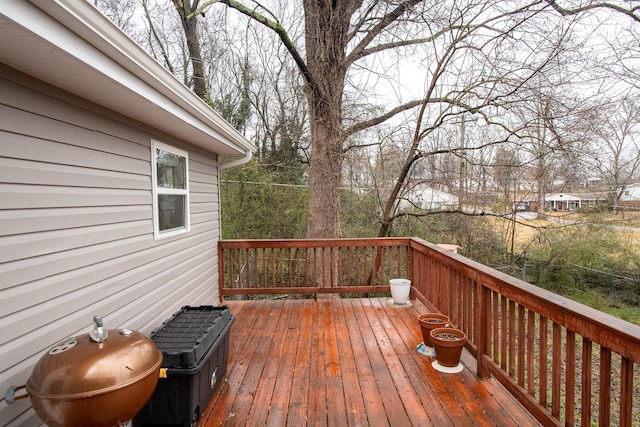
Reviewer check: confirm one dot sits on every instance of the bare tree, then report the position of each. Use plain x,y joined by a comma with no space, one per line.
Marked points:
618,150
279,126
558,131
476,57
483,60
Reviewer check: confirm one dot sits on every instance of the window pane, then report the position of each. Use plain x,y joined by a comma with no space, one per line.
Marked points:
171,212
172,170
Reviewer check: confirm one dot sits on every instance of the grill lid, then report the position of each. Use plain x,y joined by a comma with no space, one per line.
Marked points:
94,363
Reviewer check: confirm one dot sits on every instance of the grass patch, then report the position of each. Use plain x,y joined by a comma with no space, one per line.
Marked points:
600,301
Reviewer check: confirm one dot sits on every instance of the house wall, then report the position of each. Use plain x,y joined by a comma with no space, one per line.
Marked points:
76,228
631,193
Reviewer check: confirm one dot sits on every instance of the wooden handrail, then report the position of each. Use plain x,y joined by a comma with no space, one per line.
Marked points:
550,352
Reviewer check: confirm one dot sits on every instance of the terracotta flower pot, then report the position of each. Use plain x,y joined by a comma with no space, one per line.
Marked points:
430,321
448,343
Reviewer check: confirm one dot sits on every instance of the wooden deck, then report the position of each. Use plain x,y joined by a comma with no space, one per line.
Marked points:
346,362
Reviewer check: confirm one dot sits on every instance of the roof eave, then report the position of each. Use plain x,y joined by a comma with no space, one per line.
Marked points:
127,80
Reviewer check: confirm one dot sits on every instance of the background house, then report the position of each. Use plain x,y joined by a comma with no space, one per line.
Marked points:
571,202
421,196
108,186
630,195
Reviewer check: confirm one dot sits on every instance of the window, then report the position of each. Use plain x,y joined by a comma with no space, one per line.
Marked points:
170,171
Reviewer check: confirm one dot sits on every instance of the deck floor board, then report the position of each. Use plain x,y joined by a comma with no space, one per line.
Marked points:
346,362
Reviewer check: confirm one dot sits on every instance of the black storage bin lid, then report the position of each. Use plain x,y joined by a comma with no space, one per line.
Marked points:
185,338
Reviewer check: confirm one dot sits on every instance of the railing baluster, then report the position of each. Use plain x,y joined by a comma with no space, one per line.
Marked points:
587,362
531,354
604,409
511,339
307,268
290,270
556,371
503,328
570,386
265,276
542,389
331,261
284,278
250,279
235,272
341,274
495,341
467,308
626,392
337,282
521,344
301,270
314,266
459,279
348,265
391,264
274,268
484,331
368,263
376,259
357,263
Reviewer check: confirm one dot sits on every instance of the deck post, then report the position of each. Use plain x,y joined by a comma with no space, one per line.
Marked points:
483,327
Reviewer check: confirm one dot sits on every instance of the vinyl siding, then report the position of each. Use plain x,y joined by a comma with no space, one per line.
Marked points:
76,228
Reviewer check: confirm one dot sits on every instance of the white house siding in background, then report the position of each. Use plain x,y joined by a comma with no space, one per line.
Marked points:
630,193
425,197
572,202
76,215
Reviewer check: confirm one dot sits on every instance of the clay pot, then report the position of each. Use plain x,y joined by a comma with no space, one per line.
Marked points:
448,343
430,321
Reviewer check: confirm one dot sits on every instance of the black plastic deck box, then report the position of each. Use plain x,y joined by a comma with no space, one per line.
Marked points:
195,346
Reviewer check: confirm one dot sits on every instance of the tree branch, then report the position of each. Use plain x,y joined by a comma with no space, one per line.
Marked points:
631,12
386,20
381,119
156,37
361,50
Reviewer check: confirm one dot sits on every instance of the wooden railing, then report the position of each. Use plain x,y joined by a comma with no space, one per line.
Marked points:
267,267
567,363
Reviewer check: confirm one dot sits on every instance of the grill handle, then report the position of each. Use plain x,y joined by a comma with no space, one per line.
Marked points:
10,396
99,333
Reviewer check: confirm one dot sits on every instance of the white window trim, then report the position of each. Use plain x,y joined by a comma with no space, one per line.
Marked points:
156,191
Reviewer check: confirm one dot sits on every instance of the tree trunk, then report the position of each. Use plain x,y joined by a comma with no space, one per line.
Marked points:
325,41
193,44
324,181
190,26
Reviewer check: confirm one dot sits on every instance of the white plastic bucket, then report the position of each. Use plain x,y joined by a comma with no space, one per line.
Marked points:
400,289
